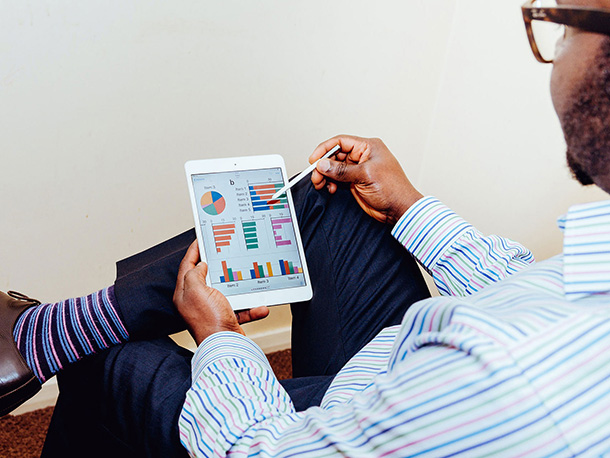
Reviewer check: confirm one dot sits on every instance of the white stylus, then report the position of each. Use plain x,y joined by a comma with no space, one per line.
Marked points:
304,173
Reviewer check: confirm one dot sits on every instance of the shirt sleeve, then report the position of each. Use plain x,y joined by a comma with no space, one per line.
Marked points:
441,400
233,389
460,259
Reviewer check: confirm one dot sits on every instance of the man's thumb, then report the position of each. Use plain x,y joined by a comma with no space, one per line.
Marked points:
338,170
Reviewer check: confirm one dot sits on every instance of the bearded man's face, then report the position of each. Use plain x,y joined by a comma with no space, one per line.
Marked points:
580,89
586,123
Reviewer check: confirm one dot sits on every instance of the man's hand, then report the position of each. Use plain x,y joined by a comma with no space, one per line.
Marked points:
206,310
377,181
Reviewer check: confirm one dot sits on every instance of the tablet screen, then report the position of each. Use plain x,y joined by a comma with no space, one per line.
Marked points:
249,239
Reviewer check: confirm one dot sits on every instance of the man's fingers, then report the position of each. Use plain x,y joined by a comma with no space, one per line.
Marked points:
201,269
322,149
197,274
352,147
254,314
353,151
318,179
339,171
192,254
190,260
346,143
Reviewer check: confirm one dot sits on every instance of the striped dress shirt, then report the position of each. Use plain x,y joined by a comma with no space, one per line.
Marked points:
512,360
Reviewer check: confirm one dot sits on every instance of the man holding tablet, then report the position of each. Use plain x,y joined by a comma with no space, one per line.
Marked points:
513,359
128,398
248,237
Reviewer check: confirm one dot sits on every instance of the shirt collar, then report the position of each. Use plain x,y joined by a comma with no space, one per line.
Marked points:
586,249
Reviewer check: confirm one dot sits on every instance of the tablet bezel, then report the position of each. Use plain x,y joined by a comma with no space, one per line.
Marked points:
250,299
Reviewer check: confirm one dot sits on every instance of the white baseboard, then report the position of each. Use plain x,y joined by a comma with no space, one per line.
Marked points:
46,397
270,341
274,340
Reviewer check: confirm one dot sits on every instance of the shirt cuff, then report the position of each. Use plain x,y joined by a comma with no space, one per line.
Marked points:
428,228
223,345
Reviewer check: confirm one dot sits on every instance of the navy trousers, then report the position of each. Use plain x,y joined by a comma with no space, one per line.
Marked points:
126,400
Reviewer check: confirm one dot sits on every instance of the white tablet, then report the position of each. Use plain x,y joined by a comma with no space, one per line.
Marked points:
251,243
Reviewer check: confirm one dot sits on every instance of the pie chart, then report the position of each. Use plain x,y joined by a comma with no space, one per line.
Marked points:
213,203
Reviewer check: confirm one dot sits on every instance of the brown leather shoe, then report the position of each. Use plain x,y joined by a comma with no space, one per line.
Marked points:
17,381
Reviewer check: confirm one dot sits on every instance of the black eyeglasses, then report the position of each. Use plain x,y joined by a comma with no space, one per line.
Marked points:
545,25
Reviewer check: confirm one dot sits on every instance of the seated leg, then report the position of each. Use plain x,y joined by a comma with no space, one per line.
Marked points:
123,402
363,281
145,285
127,399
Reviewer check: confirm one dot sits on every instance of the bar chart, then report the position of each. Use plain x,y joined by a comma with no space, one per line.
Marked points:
260,270
261,194
250,240
229,274
250,234
266,270
283,232
288,268
223,235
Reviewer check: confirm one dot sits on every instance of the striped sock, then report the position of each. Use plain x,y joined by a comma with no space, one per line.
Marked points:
51,336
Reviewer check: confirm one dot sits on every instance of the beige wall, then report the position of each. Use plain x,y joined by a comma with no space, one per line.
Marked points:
101,103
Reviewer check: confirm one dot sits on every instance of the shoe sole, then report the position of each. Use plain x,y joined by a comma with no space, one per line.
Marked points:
10,401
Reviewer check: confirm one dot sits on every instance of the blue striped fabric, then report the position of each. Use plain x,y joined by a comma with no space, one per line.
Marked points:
502,365
458,257
51,336
587,249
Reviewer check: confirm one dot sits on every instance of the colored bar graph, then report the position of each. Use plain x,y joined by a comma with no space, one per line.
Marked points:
261,194
250,234
223,233
258,271
229,274
288,268
282,229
